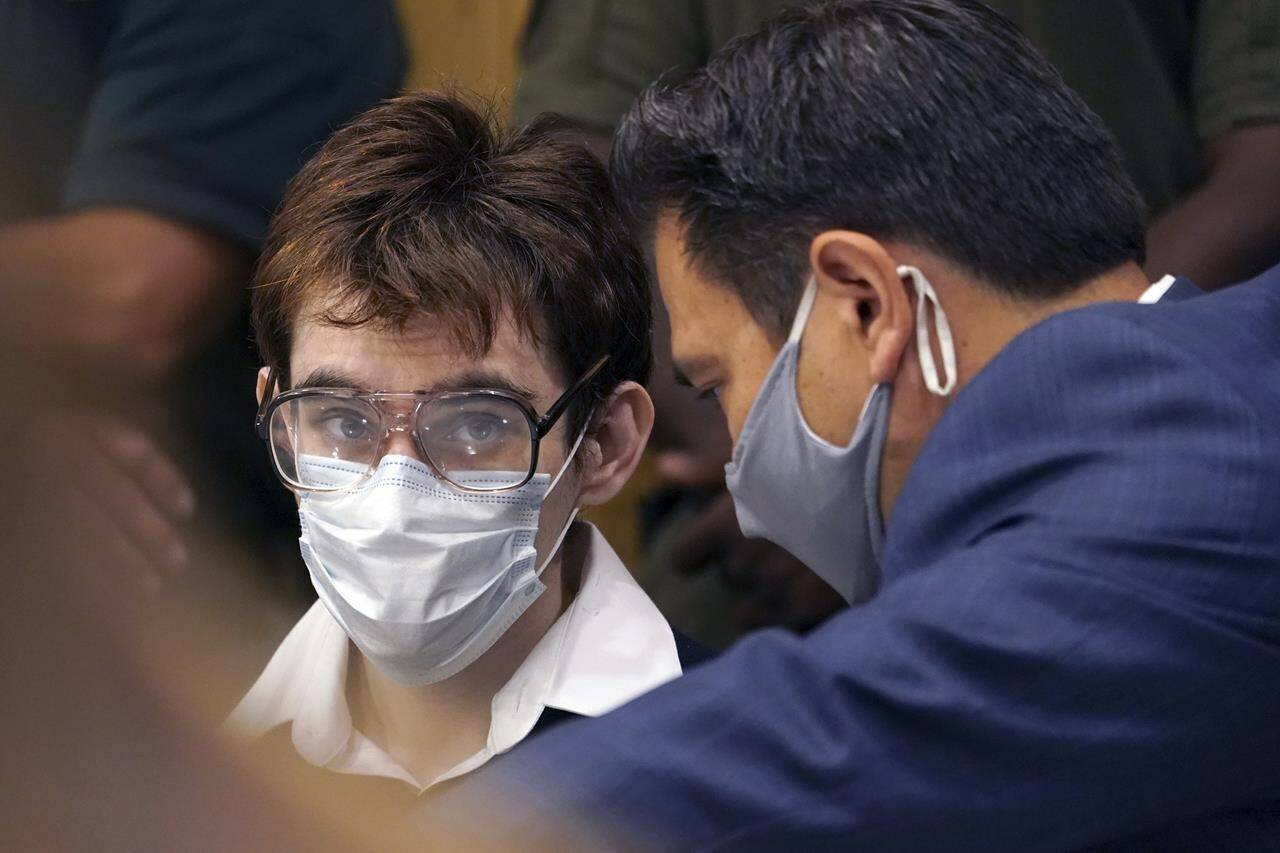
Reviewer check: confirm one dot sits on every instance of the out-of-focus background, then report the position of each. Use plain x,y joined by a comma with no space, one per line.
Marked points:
151,558
471,43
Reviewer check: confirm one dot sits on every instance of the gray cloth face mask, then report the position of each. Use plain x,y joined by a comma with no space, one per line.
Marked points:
820,501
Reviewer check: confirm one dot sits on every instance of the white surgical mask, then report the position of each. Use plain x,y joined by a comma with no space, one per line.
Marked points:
820,501
425,578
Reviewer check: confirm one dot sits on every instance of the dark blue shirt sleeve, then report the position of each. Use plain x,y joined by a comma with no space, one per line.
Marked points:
204,109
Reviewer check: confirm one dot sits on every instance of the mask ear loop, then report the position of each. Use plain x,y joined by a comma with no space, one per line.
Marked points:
573,516
573,451
925,294
803,311
555,548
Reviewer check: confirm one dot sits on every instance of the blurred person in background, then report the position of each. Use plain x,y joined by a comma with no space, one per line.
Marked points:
1191,91
455,325
146,143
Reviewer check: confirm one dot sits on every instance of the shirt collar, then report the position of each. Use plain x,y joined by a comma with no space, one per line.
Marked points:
609,646
1156,291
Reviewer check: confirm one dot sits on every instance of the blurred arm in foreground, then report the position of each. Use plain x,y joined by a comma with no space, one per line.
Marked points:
150,141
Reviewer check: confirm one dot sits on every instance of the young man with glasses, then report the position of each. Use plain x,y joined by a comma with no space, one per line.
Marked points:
456,328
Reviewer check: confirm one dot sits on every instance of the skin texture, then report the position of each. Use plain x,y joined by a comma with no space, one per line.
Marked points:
116,298
430,728
861,332
130,496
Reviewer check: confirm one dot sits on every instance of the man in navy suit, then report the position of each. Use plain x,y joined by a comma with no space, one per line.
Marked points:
905,257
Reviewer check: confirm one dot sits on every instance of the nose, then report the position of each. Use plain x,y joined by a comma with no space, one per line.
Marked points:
398,439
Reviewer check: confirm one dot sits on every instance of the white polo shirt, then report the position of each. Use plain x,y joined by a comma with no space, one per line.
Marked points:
609,646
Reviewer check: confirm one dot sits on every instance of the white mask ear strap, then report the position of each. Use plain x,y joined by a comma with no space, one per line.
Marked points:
924,295
573,451
564,531
555,548
802,313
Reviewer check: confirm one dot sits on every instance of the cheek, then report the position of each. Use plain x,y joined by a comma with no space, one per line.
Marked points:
832,391
751,363
736,399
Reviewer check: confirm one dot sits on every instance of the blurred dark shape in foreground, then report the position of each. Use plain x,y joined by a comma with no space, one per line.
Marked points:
113,693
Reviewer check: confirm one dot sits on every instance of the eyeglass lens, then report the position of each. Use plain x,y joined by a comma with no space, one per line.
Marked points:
479,442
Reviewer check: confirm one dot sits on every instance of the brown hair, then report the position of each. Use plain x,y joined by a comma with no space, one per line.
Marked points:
422,206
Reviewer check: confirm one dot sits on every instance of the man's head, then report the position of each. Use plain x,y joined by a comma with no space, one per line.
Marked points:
843,141
422,249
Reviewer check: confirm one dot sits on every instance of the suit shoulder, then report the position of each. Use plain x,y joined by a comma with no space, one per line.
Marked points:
1229,340
1101,420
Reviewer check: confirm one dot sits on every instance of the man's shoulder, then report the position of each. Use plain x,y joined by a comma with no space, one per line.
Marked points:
1230,338
1111,424
1205,364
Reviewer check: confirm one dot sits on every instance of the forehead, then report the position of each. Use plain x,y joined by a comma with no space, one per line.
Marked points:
422,355
706,318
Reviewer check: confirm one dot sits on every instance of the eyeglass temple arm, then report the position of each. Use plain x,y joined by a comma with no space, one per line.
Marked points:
268,394
547,421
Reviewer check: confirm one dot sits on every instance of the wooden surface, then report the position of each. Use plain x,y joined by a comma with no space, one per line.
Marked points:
469,43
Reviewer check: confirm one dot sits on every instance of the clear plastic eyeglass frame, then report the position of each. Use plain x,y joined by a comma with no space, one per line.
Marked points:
407,422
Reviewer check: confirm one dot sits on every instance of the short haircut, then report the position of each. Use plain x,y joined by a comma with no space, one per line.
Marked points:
931,122
423,208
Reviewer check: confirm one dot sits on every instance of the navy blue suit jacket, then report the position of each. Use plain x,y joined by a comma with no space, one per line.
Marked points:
1077,642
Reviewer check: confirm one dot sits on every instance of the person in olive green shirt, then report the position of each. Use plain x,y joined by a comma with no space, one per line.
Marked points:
1190,88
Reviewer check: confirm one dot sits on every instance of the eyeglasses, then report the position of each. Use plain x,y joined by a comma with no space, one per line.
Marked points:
483,440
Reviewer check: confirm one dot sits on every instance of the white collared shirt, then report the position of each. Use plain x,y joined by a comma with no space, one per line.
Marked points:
609,646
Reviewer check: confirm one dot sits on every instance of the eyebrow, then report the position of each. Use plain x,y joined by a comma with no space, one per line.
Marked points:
327,377
469,380
694,366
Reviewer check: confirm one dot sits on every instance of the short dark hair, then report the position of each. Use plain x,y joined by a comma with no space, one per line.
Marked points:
933,122
423,207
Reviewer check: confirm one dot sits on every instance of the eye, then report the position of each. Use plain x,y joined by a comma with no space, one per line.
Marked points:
346,425
478,428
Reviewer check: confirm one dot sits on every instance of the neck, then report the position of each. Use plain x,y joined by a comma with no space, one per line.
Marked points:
989,322
983,324
430,728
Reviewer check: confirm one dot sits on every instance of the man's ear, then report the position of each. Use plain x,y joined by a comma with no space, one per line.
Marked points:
620,431
263,373
861,279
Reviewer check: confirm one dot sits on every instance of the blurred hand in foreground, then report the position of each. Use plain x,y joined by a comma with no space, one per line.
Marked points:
122,491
